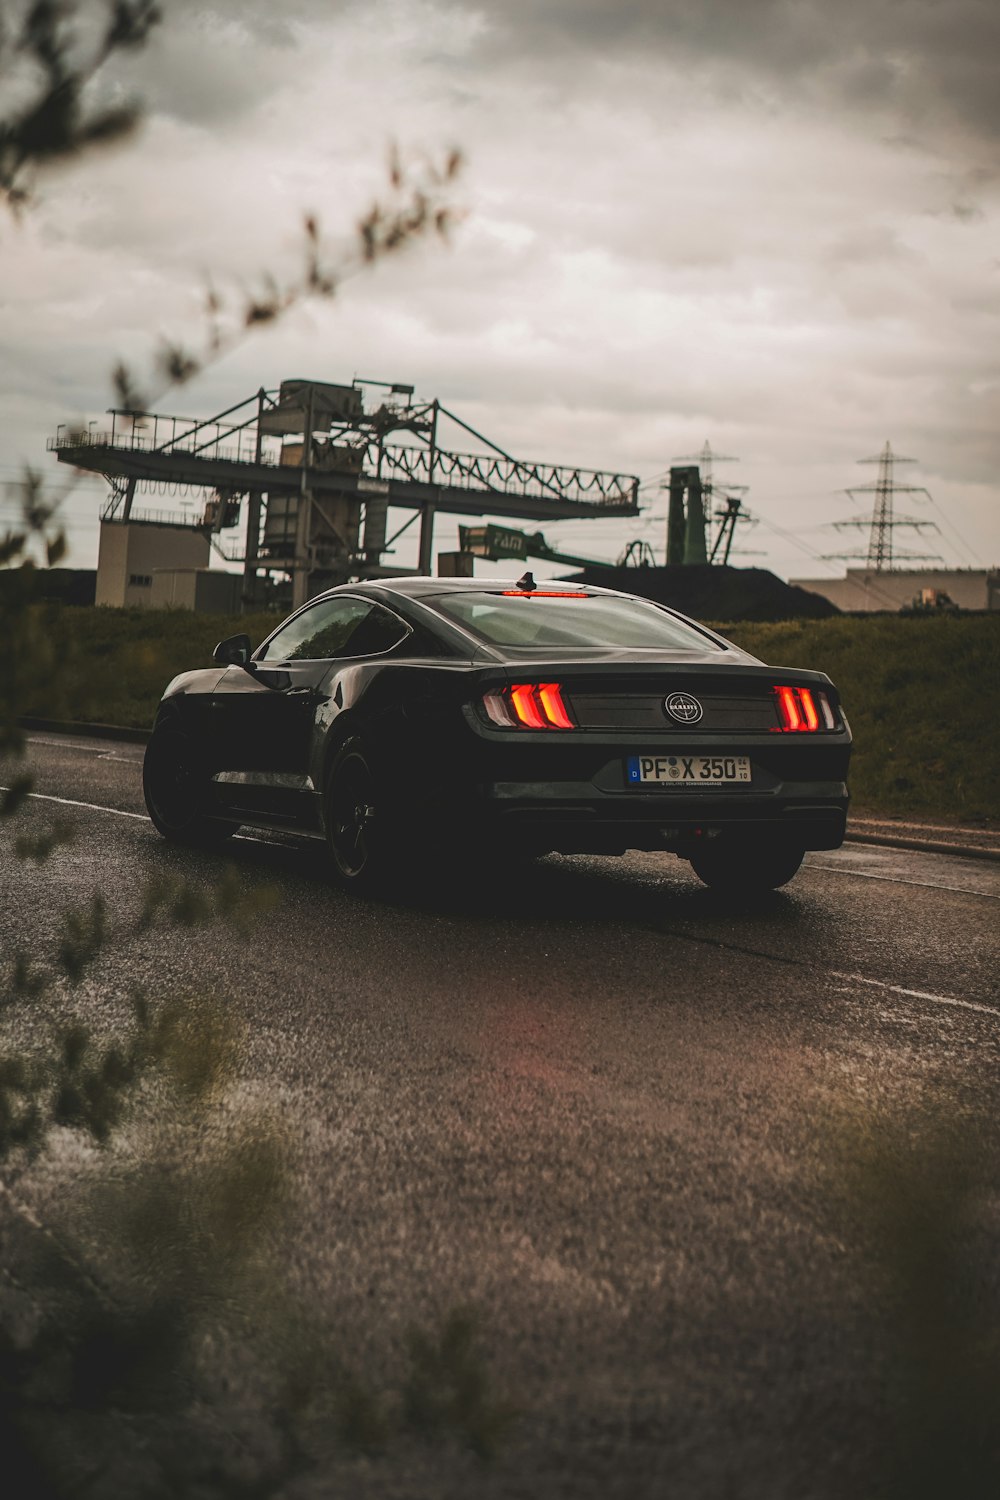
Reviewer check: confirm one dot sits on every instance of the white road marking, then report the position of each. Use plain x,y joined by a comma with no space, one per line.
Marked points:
92,749
865,825
92,806
881,984
120,812
930,885
898,989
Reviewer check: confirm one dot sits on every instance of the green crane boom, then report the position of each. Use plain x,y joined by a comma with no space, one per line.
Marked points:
497,542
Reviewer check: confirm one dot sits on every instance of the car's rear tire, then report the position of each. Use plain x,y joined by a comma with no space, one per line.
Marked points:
174,784
743,866
356,820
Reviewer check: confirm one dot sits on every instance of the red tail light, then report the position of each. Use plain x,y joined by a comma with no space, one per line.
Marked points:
802,710
809,710
551,699
528,705
789,714
527,709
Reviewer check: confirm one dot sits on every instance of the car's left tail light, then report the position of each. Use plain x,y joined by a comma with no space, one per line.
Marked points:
803,710
528,705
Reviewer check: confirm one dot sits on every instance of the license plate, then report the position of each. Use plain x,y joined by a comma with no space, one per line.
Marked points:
687,770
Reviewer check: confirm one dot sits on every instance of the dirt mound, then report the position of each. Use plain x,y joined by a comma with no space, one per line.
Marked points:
715,593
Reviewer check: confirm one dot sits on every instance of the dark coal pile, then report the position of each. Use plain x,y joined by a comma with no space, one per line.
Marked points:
715,593
56,585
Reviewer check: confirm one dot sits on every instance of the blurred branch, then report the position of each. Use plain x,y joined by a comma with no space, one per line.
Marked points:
418,205
164,1268
49,70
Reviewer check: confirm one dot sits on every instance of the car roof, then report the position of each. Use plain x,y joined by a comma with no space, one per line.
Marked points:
423,590
418,585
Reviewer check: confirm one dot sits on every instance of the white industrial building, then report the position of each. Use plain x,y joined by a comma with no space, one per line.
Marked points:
160,565
868,591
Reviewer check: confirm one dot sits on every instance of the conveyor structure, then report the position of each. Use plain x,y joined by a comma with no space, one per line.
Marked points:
319,467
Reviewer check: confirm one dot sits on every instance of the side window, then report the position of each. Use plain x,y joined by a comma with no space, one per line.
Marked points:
336,627
379,631
319,632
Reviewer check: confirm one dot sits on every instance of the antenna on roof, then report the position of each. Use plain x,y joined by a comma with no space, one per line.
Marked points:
527,582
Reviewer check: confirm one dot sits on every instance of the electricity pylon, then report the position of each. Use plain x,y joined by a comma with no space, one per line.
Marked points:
881,554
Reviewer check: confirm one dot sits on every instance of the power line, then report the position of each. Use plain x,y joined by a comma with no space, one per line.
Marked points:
790,536
969,551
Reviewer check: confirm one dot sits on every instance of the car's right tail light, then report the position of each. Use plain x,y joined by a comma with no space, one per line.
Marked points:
803,710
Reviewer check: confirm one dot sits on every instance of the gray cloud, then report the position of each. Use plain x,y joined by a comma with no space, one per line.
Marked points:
207,67
917,68
908,57
768,224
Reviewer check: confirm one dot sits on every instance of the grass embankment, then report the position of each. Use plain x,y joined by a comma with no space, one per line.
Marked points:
922,695
923,699
123,658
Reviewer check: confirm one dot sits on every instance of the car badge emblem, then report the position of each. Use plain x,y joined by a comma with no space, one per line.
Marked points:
683,708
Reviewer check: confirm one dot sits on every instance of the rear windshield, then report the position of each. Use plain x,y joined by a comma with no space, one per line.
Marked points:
593,620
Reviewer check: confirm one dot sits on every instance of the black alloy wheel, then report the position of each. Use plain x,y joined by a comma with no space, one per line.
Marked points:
742,866
173,784
353,808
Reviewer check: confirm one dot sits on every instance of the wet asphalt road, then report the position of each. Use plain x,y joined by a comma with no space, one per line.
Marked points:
605,1108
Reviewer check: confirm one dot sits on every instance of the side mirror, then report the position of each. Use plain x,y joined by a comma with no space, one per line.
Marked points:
233,652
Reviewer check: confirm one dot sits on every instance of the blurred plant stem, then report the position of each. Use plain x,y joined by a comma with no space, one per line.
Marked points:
922,1200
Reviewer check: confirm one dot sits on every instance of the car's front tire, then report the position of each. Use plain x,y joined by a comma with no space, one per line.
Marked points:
174,784
745,866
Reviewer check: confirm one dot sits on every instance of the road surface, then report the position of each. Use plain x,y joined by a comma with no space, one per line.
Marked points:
611,1112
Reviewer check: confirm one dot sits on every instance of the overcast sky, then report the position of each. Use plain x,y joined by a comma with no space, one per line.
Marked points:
768,224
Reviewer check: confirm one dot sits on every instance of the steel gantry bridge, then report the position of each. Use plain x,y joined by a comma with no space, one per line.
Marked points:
317,467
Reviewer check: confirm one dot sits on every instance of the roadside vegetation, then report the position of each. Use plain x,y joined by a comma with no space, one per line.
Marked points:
917,691
919,694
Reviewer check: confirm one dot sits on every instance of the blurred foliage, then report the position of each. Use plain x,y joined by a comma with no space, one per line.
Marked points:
418,203
127,1293
917,1200
74,1077
146,1345
186,904
918,695
33,652
448,1390
49,64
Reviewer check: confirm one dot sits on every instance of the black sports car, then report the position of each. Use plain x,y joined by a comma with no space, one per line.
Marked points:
406,717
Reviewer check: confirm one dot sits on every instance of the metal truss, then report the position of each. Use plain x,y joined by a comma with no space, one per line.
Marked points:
506,476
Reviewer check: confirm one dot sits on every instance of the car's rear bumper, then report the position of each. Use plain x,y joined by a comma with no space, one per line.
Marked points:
574,794
570,819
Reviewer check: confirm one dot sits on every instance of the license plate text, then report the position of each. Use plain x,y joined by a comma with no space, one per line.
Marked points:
686,770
